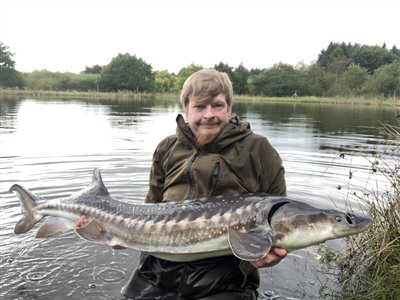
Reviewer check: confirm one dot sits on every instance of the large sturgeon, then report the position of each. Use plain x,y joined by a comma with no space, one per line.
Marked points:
245,225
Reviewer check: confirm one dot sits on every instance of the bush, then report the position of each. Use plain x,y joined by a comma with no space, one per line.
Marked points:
57,81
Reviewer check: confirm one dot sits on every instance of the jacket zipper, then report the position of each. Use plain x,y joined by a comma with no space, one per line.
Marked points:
189,173
213,179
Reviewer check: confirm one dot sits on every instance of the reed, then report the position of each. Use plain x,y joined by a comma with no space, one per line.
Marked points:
323,100
65,95
370,268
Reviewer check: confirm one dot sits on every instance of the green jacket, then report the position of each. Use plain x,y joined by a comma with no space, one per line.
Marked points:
237,161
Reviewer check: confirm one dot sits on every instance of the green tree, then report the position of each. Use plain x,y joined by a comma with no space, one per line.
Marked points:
221,67
335,60
337,67
315,80
280,80
127,72
9,77
336,52
95,69
386,80
6,61
164,81
238,76
395,51
354,79
339,56
183,74
373,57
241,75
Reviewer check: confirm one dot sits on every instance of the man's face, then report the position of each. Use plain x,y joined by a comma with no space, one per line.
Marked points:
207,119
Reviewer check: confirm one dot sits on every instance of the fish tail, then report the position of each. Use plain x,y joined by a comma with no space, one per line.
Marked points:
28,203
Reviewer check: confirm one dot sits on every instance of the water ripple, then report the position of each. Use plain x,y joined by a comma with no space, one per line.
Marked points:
111,275
54,157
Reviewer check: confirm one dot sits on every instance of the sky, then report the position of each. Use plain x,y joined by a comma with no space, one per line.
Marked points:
68,35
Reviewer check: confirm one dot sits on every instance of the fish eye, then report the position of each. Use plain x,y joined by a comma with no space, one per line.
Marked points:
338,219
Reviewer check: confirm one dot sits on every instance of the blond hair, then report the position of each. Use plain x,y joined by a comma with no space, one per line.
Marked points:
205,85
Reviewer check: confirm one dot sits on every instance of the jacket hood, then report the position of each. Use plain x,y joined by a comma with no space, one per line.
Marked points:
232,132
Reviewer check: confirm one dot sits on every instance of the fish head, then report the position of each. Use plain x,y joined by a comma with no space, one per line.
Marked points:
297,225
348,223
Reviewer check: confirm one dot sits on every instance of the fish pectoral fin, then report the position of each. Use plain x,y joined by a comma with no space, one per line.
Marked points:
251,245
52,227
94,232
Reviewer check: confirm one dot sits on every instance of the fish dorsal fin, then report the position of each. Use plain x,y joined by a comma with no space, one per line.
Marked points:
97,181
250,246
53,227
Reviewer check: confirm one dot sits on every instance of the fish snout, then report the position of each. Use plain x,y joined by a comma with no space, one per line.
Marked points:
356,221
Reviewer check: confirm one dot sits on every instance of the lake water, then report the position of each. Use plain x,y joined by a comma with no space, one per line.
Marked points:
52,146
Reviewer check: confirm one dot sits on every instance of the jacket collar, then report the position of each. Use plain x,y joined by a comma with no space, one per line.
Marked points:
233,131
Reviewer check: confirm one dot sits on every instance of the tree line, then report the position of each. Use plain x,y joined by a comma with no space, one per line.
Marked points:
340,69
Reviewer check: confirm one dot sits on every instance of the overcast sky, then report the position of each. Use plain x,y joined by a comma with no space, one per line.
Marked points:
67,35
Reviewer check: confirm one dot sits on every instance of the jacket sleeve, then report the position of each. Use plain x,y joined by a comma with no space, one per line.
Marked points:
273,173
157,176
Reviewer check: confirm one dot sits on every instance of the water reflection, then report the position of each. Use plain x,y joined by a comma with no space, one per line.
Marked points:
52,146
326,118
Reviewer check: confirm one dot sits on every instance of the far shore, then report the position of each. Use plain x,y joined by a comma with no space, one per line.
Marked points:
134,96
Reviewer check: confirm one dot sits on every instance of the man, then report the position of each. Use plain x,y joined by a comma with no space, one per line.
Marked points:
212,154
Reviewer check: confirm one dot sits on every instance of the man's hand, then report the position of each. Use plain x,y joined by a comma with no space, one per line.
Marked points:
273,257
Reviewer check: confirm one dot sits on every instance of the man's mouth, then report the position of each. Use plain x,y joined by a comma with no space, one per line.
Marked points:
209,124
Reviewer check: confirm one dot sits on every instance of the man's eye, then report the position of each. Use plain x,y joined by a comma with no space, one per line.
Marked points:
219,105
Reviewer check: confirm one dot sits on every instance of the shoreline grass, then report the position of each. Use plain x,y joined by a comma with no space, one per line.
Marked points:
370,266
91,95
129,96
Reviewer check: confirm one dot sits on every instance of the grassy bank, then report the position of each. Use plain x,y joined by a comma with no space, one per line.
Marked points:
126,95
370,268
38,94
326,100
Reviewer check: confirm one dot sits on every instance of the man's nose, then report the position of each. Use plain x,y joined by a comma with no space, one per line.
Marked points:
209,112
